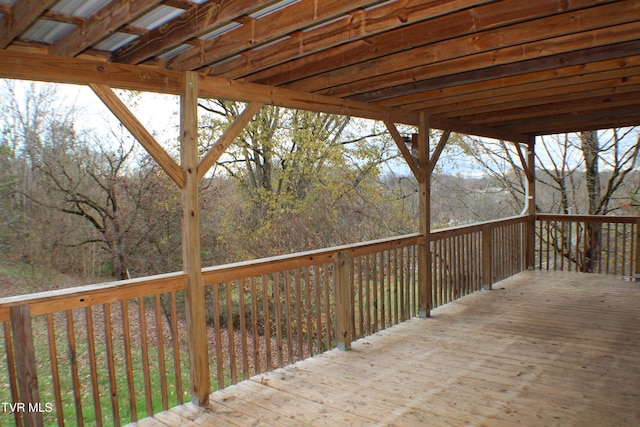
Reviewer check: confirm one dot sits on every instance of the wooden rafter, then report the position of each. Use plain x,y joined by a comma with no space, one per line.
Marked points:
22,14
357,25
538,92
196,21
227,138
578,102
548,125
256,32
108,19
139,132
482,67
520,83
442,59
482,29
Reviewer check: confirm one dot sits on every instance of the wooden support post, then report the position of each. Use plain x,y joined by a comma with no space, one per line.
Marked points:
26,367
530,240
194,290
344,306
487,258
424,248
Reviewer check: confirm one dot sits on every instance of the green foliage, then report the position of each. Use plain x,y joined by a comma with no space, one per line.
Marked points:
306,180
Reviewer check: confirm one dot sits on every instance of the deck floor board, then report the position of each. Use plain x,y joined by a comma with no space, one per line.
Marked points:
542,348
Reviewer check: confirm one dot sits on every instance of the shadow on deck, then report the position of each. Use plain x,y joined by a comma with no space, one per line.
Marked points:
542,348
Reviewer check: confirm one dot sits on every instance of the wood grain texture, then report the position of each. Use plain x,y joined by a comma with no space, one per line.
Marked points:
530,352
191,257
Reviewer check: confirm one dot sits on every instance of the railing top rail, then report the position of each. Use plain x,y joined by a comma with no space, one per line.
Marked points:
476,227
88,295
589,218
239,270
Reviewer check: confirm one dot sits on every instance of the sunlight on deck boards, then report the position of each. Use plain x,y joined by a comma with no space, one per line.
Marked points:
541,349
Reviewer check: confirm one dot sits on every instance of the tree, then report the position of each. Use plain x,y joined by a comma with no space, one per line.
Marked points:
81,191
298,174
590,172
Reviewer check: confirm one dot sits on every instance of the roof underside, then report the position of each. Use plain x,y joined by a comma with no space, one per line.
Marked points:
527,67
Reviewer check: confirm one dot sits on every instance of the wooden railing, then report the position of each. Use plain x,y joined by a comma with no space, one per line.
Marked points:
93,354
273,312
465,259
117,352
588,243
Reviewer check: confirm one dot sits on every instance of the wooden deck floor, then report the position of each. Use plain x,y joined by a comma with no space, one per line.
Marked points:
541,349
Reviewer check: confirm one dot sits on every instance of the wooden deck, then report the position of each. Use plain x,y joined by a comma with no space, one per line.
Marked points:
541,349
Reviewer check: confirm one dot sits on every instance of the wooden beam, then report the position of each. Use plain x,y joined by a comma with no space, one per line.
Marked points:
621,117
356,25
424,211
22,14
58,69
279,23
139,132
191,261
566,32
444,138
465,19
216,87
100,25
517,83
530,91
469,128
227,138
195,22
412,162
571,104
477,69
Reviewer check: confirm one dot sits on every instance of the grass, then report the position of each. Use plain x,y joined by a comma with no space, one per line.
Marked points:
84,389
145,375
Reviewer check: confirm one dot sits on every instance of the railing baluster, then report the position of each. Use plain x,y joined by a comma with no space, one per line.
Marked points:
636,258
343,300
254,327
160,343
299,329
111,370
92,365
316,285
308,313
243,329
175,342
73,360
278,309
55,374
128,362
142,316
367,278
13,381
230,332
217,313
